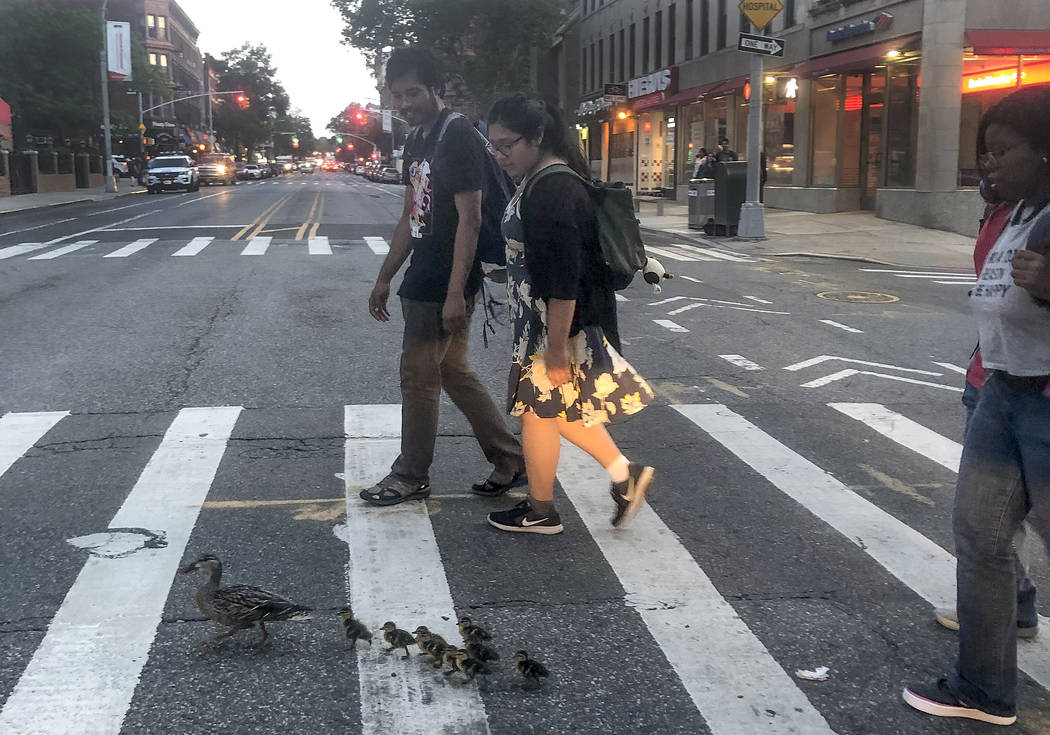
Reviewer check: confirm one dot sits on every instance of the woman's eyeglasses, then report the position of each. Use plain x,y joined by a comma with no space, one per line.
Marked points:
504,149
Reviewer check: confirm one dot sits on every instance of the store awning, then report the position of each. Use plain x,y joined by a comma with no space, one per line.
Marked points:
693,94
1009,42
856,58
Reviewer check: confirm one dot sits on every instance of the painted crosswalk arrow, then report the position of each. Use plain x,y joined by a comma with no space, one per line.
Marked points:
761,45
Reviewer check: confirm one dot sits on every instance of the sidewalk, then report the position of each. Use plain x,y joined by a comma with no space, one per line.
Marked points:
28,202
847,235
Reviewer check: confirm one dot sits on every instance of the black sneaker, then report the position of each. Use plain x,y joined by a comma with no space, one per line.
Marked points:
938,700
630,494
523,519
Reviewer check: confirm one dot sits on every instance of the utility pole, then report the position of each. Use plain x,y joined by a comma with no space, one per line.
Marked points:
752,212
111,182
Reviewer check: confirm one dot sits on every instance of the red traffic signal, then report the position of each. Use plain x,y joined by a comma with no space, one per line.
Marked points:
242,101
359,116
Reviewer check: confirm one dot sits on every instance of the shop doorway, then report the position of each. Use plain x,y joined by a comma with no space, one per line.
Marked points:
862,135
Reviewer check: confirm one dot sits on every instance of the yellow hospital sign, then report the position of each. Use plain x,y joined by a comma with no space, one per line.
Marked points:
761,12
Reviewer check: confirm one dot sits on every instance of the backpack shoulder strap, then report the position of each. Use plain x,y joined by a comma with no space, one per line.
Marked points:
444,126
552,169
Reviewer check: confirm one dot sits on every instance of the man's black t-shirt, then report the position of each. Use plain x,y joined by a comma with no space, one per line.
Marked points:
458,166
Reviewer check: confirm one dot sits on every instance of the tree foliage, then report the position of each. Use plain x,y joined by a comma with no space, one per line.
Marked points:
248,68
487,44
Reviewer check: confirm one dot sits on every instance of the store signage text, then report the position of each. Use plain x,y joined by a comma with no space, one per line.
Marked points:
880,22
591,107
1037,73
665,80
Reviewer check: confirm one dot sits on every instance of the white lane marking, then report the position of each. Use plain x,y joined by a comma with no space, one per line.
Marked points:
690,278
378,245
820,382
722,305
37,227
741,361
824,358
670,592
319,246
937,275
20,249
761,301
131,248
20,431
668,301
621,298
398,696
726,256
905,432
83,674
193,247
956,283
951,367
257,246
117,209
687,307
908,555
201,199
58,252
668,324
101,228
675,255
840,326
913,272
173,227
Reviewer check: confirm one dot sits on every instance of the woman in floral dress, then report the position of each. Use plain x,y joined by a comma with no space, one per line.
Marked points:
567,376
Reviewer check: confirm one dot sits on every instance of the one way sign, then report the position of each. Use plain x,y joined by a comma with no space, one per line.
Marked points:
761,45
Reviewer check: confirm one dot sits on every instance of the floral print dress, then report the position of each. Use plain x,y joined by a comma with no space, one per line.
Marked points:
604,386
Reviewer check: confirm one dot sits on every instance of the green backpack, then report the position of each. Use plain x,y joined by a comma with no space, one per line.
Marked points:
619,235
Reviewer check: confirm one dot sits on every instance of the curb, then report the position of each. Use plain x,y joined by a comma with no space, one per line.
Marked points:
38,207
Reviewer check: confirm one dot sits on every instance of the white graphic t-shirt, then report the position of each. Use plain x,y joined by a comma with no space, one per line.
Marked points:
1014,326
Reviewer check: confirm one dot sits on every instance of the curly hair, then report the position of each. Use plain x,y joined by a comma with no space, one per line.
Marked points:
1027,112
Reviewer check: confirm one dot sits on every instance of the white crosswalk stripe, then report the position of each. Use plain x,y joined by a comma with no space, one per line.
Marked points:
131,248
59,252
85,670
682,255
193,247
378,245
21,249
257,245
319,246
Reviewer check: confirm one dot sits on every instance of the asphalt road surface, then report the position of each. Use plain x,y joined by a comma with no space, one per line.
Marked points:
197,373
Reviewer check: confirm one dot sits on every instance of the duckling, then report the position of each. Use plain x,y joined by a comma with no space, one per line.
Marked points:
530,668
472,632
427,641
240,606
448,658
436,650
481,652
470,667
397,638
353,628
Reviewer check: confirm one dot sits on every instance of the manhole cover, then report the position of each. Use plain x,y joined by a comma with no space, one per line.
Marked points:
858,297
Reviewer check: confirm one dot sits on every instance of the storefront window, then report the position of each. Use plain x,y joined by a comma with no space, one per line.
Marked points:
851,131
670,123
825,130
985,81
651,151
621,151
902,124
594,149
691,132
779,140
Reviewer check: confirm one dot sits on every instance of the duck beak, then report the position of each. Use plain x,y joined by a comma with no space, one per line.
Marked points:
188,568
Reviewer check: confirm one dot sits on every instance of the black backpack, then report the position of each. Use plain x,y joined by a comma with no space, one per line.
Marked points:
495,193
619,234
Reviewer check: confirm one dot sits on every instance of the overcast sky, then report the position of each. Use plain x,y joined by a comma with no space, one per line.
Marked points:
321,75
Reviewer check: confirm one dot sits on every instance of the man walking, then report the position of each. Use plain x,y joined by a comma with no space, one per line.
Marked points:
439,228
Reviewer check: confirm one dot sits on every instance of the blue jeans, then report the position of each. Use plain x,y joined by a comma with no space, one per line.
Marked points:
1026,591
1005,471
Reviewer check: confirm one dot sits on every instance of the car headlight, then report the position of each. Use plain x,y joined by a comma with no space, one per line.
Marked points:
220,169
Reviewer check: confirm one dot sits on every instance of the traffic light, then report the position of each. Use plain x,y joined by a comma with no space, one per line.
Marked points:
359,116
349,146
295,142
201,147
242,101
339,139
338,149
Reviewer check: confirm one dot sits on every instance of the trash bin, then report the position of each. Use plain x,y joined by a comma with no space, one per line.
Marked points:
701,202
730,193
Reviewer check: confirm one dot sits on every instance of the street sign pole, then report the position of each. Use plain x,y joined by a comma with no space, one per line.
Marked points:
111,181
752,212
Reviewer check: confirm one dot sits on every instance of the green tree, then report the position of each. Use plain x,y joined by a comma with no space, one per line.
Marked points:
246,125
293,124
486,44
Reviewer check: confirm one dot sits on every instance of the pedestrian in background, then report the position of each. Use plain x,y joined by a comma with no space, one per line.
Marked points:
1004,474
725,153
439,226
567,378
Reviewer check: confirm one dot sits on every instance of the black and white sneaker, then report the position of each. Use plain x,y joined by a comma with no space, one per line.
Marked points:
523,519
630,494
938,700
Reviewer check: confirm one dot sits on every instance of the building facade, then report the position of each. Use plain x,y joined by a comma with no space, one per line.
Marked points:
874,104
170,40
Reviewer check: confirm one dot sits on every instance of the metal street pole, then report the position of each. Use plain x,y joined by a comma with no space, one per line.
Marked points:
752,213
142,133
111,181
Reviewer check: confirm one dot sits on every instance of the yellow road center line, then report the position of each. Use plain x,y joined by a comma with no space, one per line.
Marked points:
269,215
268,211
317,221
302,230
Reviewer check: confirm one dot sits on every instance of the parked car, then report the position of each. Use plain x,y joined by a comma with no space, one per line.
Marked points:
120,166
172,172
217,168
390,175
